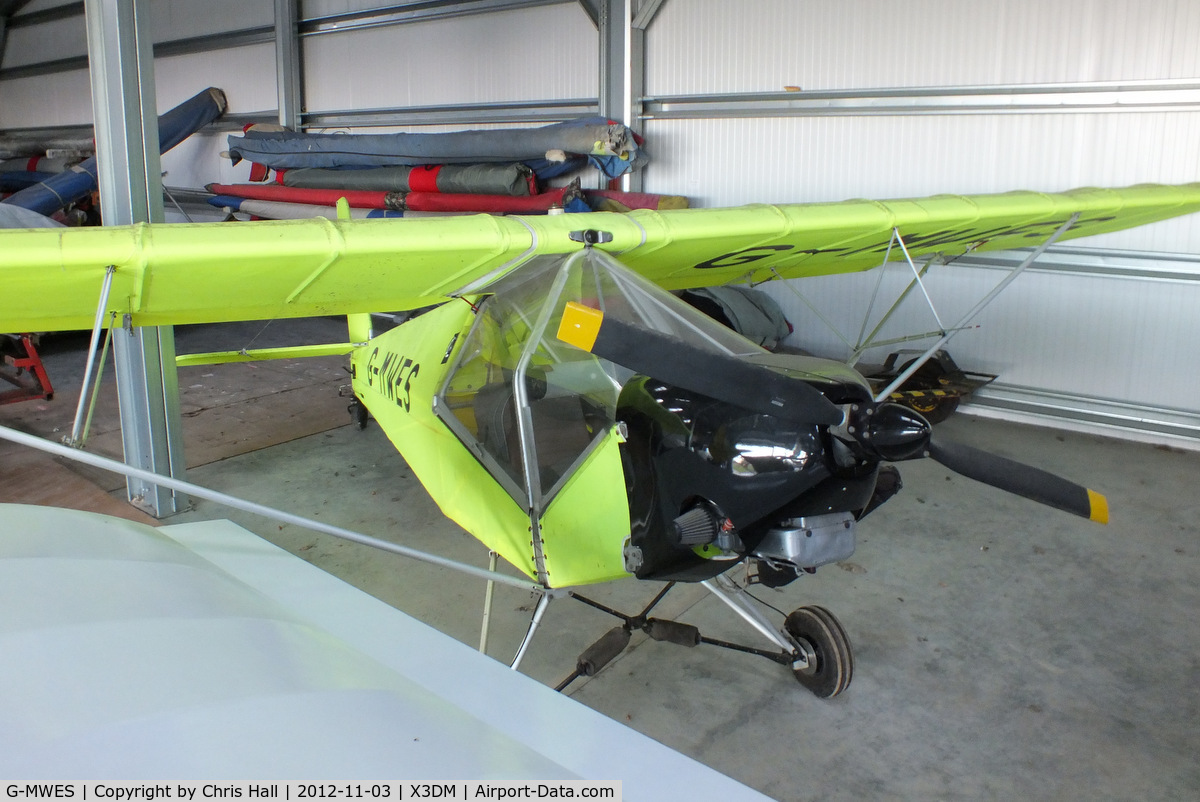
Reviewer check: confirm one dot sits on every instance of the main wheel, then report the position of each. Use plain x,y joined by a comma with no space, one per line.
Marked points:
824,644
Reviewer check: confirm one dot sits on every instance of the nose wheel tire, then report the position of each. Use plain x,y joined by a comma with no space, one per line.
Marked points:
358,413
825,645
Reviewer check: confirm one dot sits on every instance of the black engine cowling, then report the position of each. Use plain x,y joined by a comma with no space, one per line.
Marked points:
709,481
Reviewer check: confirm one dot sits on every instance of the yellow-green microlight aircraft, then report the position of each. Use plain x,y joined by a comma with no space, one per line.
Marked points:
563,407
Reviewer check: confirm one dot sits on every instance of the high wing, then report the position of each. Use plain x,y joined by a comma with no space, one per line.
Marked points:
194,273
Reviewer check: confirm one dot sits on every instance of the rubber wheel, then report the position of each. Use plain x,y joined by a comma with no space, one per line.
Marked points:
358,413
832,666
847,652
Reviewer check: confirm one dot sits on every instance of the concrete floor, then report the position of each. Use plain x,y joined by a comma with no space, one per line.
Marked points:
1003,650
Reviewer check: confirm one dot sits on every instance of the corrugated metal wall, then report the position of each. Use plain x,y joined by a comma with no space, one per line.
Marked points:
701,46
474,59
64,98
1097,338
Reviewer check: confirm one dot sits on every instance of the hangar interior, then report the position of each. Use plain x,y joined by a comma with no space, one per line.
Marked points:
1001,648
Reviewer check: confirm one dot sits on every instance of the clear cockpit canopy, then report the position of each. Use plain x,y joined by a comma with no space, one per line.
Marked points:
532,407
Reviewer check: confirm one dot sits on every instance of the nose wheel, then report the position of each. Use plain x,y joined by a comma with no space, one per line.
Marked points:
358,413
814,645
826,649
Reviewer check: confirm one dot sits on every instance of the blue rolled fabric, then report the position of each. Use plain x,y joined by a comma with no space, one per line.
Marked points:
76,182
611,146
13,180
58,191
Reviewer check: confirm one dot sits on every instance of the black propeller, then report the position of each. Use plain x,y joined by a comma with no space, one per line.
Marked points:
673,361
894,433
884,431
1020,479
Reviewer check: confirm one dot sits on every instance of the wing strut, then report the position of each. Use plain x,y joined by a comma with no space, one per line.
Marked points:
943,333
78,435
975,310
179,485
867,341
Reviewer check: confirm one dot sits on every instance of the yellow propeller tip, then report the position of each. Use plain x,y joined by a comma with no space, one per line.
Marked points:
1099,507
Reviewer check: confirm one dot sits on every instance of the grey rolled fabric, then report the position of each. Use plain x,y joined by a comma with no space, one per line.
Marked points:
478,179
594,137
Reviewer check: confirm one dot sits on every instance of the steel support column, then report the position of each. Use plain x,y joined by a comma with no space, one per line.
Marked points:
616,25
616,91
130,170
635,82
623,64
287,63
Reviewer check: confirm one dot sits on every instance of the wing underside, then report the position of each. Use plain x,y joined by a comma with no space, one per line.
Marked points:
207,272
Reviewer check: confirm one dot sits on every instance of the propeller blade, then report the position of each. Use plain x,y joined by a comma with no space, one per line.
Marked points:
673,361
1020,479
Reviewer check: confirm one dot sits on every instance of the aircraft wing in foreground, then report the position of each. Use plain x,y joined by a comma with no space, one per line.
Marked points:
200,652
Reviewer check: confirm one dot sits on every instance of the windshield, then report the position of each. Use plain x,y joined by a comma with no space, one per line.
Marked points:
531,406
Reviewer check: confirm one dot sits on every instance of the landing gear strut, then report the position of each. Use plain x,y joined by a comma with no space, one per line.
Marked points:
812,642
